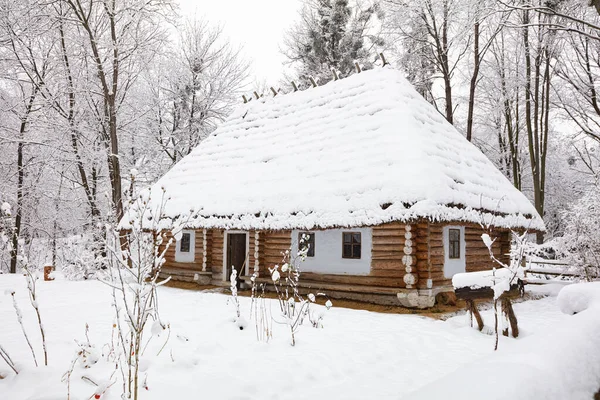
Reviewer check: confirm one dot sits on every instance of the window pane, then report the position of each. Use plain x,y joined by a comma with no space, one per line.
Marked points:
184,247
347,252
454,234
347,237
356,253
454,243
356,238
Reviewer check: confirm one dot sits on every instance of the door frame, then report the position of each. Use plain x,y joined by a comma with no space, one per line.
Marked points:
226,244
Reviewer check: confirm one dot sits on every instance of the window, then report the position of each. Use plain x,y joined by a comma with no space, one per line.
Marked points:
307,239
454,243
184,245
351,245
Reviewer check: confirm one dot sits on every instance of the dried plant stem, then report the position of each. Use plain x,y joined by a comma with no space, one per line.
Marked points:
34,303
20,319
8,360
496,323
67,377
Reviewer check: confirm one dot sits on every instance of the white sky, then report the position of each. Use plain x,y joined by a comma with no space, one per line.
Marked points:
257,25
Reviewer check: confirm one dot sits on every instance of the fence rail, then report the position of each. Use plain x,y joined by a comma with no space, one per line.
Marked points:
554,270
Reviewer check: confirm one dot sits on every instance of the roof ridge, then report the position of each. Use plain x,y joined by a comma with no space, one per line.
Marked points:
336,77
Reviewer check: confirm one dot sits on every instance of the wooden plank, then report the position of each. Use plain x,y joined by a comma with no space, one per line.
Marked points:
389,225
389,240
383,248
484,293
388,232
280,235
387,255
551,271
387,264
352,279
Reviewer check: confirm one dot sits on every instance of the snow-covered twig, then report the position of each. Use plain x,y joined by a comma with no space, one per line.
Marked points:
8,360
20,319
31,286
134,264
294,307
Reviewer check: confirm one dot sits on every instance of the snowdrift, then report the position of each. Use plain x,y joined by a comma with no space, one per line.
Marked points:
563,363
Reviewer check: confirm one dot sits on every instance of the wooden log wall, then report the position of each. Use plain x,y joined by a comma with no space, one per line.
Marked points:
209,246
430,254
386,256
216,251
388,244
251,253
477,257
271,249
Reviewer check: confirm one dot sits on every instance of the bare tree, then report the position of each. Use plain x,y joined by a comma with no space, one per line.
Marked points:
579,73
116,35
482,20
28,55
201,83
435,26
537,101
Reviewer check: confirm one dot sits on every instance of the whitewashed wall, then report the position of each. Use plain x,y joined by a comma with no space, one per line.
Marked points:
328,253
186,257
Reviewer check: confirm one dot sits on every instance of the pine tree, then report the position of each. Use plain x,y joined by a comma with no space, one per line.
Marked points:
332,34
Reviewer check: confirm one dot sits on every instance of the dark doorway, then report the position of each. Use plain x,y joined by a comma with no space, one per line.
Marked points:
236,254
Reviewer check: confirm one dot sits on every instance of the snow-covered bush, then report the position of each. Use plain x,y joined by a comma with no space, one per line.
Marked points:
78,258
259,310
581,240
293,306
134,262
238,319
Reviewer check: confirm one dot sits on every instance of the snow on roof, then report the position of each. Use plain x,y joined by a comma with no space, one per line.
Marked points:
363,150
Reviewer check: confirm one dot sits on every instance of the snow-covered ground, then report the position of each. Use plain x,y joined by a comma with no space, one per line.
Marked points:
356,355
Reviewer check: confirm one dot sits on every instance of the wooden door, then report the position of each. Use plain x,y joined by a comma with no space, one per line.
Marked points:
236,253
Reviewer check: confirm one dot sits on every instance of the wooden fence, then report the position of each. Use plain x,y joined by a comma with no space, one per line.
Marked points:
552,269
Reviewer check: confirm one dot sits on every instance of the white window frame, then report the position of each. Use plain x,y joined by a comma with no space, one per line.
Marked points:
454,265
186,257
226,243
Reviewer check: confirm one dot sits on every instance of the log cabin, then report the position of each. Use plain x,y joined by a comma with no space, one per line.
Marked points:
392,197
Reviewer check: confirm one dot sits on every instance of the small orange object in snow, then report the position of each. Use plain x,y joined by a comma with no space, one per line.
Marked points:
48,269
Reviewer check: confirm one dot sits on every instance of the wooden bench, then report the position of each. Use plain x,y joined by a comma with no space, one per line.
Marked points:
487,293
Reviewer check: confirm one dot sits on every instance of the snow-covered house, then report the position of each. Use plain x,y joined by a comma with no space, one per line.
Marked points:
391,195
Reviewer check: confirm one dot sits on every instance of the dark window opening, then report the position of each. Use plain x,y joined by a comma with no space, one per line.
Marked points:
351,243
307,239
454,243
184,245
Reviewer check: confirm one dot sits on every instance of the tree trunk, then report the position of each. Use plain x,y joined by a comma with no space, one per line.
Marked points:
446,67
531,122
473,84
73,131
20,182
17,228
109,92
